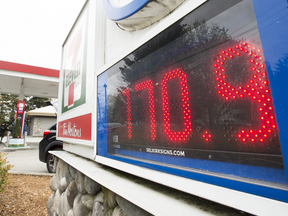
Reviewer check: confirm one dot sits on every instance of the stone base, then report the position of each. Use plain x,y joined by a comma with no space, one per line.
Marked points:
76,194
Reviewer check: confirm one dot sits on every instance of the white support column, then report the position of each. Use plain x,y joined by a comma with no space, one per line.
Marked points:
21,95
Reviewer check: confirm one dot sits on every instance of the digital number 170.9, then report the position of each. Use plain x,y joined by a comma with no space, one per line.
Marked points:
257,89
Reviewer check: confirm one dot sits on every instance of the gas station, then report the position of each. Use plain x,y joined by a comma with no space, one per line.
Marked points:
21,79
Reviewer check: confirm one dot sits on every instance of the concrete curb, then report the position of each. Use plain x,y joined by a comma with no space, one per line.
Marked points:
31,173
17,148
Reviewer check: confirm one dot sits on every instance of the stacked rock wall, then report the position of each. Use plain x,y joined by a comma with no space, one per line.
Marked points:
77,195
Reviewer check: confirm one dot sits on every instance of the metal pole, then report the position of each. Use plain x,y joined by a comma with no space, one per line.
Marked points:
25,136
7,142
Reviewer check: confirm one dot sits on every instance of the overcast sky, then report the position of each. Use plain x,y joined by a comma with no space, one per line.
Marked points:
32,31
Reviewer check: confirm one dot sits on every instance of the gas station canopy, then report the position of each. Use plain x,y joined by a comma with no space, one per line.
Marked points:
26,80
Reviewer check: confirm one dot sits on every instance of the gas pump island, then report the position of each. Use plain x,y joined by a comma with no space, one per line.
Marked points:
19,141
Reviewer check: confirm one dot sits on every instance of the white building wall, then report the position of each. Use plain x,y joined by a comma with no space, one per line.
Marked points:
39,124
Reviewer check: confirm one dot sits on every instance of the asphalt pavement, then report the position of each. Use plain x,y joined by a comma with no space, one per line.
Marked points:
25,160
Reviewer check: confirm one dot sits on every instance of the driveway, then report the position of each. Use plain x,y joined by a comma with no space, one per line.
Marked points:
26,161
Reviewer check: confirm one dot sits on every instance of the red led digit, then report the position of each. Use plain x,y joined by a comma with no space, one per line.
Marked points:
176,135
148,84
126,92
256,89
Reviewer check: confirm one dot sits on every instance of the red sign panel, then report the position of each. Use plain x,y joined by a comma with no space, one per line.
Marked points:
76,128
20,107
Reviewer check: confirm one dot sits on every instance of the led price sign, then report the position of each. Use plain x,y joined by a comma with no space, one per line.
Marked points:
196,96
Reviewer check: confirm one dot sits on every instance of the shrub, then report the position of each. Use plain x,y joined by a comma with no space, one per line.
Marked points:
17,130
4,168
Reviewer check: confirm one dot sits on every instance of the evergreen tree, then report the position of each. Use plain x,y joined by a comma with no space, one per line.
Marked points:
17,131
7,108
